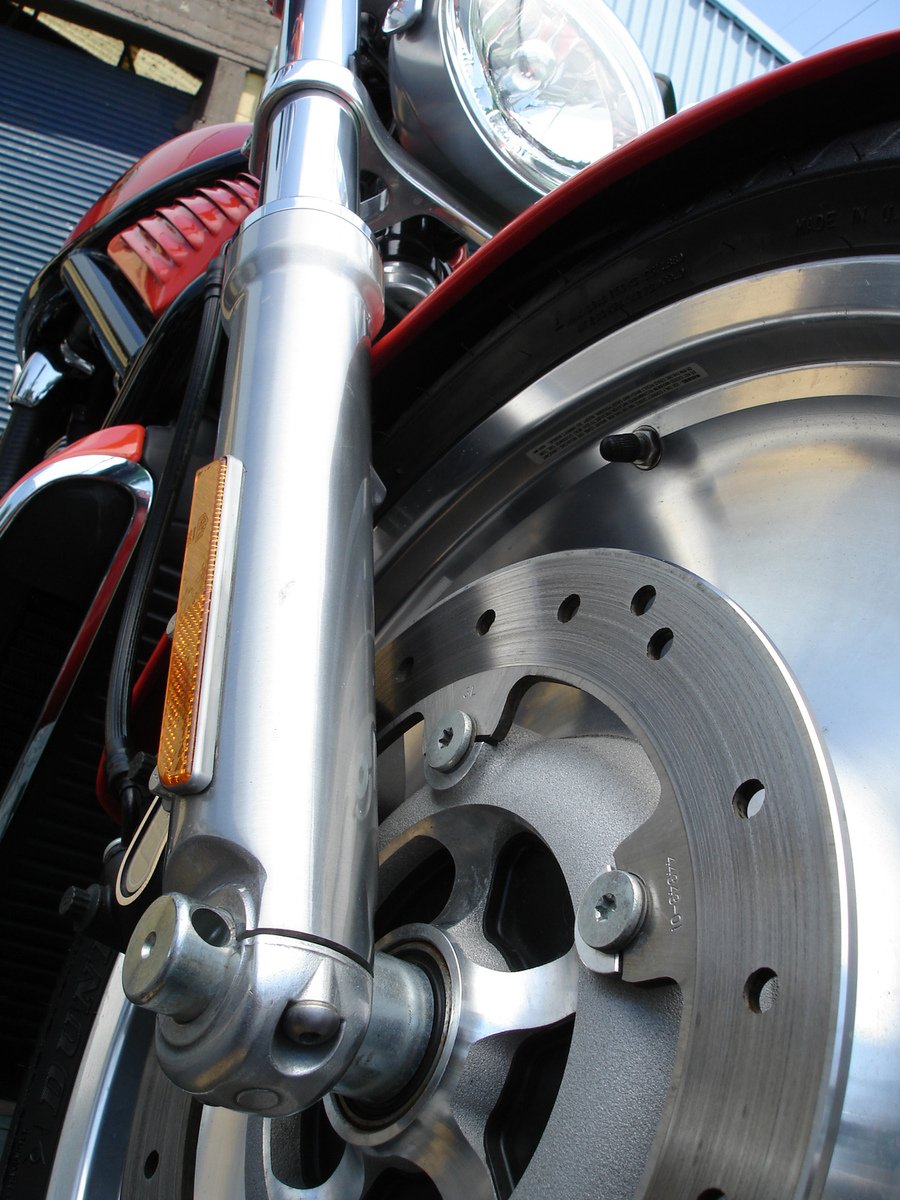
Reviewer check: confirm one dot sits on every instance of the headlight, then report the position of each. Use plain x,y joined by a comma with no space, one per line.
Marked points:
545,87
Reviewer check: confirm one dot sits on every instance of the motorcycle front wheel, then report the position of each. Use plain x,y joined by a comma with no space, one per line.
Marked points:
680,668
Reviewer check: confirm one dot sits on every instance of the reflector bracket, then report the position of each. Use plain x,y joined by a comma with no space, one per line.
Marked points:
191,712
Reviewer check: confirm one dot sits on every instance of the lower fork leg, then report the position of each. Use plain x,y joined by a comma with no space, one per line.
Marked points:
263,979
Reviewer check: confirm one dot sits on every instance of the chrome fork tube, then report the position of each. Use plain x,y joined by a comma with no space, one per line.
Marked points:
272,867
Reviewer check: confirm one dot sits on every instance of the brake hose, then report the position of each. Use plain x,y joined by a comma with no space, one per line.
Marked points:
118,755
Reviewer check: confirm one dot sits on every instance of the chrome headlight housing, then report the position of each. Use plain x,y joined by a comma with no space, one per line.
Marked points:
532,91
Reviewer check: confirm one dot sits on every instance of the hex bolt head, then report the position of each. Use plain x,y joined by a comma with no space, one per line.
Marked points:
612,910
311,1022
449,741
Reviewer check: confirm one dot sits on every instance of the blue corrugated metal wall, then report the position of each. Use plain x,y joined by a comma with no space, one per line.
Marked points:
69,126
704,46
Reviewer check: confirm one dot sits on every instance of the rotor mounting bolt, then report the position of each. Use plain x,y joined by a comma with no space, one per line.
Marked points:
641,448
449,741
311,1022
612,910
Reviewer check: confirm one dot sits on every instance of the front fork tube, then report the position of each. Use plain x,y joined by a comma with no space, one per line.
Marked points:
258,959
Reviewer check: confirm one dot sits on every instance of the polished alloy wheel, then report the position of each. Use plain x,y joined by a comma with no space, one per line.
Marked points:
683,673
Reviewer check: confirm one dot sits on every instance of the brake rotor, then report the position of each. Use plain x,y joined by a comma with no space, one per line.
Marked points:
716,792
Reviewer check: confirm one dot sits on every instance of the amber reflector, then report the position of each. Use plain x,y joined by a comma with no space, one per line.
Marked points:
179,726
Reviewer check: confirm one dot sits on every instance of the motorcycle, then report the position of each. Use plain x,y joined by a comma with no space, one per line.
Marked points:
539,843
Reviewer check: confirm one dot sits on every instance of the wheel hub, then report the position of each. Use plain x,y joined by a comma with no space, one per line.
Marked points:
370,1124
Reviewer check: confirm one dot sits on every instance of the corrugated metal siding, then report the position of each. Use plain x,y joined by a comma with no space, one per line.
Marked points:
705,47
69,126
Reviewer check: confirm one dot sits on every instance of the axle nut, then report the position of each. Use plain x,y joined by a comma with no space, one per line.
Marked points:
178,957
612,910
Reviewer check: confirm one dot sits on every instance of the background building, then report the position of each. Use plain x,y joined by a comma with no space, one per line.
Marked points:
704,46
88,86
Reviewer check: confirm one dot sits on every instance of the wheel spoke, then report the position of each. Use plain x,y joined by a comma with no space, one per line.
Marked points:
219,1169
475,843
348,1182
511,1001
453,1164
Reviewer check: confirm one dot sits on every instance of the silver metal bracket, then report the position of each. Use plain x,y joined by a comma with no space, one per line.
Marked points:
402,15
34,383
409,189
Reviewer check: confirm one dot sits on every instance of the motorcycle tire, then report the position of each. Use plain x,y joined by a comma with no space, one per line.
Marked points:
752,326
32,1139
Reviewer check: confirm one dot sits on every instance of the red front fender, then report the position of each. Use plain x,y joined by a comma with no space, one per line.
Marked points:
842,81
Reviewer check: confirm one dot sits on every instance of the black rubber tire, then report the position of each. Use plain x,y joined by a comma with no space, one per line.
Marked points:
31,1144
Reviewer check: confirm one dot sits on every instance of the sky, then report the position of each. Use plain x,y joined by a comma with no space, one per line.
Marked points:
813,25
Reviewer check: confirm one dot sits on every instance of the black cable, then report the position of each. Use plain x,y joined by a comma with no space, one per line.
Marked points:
118,700
18,444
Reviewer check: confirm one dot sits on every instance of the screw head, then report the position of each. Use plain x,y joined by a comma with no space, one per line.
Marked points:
311,1022
257,1099
612,910
449,741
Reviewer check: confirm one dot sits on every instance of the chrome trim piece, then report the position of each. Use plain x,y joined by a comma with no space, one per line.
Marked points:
138,482
402,15
314,151
405,285
35,381
144,853
119,334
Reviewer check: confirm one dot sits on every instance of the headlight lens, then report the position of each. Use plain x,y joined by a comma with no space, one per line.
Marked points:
552,84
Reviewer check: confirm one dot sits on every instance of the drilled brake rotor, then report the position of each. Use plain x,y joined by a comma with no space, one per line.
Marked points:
742,858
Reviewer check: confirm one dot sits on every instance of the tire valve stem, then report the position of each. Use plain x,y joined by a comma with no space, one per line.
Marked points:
642,448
